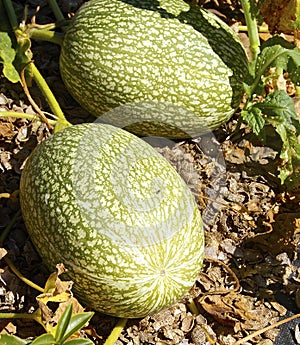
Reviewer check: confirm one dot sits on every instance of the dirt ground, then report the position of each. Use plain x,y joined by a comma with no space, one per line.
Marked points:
251,273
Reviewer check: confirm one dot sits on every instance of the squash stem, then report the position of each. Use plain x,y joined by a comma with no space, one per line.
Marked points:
250,18
20,275
114,335
46,35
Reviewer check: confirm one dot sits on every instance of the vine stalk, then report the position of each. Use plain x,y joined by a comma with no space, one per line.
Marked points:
115,333
17,115
251,23
43,86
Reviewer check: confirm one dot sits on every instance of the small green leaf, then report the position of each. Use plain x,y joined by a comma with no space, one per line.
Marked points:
275,52
44,339
11,73
79,341
280,108
281,113
294,72
63,323
7,56
286,169
7,52
6,339
247,89
76,323
254,119
290,155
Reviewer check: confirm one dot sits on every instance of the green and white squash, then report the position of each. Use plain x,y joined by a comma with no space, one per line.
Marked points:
117,215
184,62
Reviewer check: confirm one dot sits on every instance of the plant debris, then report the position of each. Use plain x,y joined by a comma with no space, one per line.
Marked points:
251,274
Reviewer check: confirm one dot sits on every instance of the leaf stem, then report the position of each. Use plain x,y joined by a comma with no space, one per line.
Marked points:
248,8
114,335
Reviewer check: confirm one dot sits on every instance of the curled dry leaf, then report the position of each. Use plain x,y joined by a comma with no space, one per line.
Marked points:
56,291
3,252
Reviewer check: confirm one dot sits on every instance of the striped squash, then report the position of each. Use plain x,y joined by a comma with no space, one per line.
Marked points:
184,62
110,208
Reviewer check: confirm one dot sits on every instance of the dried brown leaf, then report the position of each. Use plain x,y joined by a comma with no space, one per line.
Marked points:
3,252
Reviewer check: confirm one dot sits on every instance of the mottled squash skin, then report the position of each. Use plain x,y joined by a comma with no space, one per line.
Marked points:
118,216
165,52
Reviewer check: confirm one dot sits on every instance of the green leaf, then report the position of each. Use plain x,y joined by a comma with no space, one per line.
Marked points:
7,56
6,339
44,339
281,113
76,323
254,119
294,72
290,155
63,323
79,341
275,52
280,108
286,169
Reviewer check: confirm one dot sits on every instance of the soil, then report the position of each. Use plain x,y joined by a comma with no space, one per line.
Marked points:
251,272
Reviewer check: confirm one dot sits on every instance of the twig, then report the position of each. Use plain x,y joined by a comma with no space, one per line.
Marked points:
230,271
260,331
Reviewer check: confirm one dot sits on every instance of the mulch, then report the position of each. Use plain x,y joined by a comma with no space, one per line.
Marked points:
251,272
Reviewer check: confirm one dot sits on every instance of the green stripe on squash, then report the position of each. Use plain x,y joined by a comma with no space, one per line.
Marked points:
168,52
117,215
